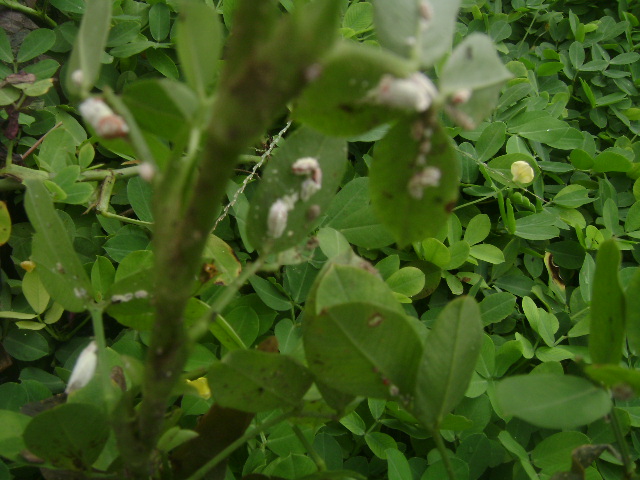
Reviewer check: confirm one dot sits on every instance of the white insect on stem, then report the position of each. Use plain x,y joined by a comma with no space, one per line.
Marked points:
414,93
427,177
84,368
310,168
77,77
425,9
461,96
277,219
104,120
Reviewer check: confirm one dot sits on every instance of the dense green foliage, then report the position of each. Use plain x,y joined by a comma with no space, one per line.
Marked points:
374,296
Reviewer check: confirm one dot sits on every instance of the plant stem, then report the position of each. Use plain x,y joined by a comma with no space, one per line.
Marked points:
629,465
202,471
29,11
443,453
98,332
317,459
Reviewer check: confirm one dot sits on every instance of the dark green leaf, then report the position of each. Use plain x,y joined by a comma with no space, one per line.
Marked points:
89,47
607,307
450,354
284,210
61,437
362,349
60,269
199,42
553,401
407,185
256,381
36,43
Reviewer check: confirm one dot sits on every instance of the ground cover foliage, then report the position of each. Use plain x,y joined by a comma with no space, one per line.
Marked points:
383,294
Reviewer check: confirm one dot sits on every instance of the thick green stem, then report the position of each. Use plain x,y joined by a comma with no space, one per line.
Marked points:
629,465
98,332
317,459
29,11
444,454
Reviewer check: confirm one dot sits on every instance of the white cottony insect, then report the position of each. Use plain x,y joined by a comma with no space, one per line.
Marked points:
461,96
147,171
305,166
77,77
426,14
427,177
309,167
79,292
414,93
100,116
277,219
84,368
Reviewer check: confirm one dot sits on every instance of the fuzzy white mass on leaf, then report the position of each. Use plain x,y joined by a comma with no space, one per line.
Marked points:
427,177
414,93
277,219
84,368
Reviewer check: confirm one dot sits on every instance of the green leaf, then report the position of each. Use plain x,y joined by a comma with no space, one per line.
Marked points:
255,381
11,442
542,322
139,194
26,345
552,401
422,30
60,269
34,291
351,214
496,307
478,229
162,62
632,310
572,196
5,223
488,253
491,141
615,377
163,107
362,349
542,127
226,264
199,43
160,21
450,354
397,465
6,54
358,17
339,284
269,294
129,238
36,43
553,454
283,210
609,161
408,281
61,437
607,307
102,276
539,226
512,445
89,46
336,103
380,443
407,186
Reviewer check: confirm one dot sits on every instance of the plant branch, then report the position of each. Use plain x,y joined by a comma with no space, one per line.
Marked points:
629,465
29,11
443,453
317,459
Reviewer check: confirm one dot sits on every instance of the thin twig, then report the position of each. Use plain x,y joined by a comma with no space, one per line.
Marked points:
249,177
40,140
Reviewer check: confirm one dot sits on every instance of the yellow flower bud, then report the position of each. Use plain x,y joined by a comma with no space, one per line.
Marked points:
522,172
202,386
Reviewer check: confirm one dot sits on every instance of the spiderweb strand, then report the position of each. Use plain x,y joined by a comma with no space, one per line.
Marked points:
248,178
